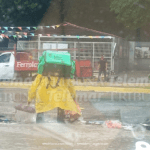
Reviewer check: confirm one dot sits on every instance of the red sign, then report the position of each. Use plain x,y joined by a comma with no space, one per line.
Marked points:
26,65
83,68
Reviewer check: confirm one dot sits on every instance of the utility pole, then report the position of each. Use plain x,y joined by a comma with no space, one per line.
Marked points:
62,15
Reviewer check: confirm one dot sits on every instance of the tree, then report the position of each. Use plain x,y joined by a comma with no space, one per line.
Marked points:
23,12
62,14
132,13
93,14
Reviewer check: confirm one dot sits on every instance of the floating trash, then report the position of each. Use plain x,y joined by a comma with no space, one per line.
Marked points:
5,120
147,124
95,122
25,108
113,124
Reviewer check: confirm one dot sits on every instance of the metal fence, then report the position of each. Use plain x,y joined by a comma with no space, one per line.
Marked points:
78,50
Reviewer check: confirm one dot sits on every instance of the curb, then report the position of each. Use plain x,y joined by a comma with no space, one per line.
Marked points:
84,88
112,89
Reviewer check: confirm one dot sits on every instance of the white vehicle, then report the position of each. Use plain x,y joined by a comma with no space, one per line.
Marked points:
14,64
7,62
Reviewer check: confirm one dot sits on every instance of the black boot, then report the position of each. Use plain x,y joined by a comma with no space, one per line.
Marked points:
60,115
40,118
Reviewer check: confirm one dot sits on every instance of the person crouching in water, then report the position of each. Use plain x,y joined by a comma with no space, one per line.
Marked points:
52,89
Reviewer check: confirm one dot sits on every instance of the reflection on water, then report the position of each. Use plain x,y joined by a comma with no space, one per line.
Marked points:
138,132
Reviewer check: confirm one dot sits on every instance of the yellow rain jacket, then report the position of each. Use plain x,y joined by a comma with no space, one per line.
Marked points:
49,98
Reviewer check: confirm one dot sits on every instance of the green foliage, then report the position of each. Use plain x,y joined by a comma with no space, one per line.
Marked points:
23,12
132,13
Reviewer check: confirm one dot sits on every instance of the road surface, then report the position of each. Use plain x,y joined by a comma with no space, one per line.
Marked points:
78,135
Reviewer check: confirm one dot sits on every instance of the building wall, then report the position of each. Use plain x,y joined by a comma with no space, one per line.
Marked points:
138,63
142,64
120,65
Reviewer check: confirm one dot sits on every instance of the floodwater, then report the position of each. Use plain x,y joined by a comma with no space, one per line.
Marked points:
19,134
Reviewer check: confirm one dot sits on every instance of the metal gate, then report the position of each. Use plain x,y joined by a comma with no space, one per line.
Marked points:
78,50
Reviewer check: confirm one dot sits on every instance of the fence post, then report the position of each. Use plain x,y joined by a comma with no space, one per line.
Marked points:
39,45
131,55
112,47
57,45
74,50
93,56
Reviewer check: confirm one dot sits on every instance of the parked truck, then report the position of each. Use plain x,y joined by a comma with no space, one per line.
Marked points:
15,64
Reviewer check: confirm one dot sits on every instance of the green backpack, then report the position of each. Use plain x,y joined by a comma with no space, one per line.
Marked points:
55,60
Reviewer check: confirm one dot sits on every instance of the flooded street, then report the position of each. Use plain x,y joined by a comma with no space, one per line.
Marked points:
85,65
78,135
52,137
90,58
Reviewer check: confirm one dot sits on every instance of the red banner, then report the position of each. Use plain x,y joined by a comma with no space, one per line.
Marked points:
30,65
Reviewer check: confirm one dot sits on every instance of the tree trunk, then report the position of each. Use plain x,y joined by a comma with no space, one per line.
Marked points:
62,15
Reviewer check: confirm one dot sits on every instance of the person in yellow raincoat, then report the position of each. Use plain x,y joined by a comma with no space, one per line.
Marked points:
50,91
